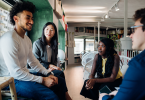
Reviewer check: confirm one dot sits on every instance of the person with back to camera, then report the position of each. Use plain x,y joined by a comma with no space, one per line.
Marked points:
45,49
16,52
133,84
106,65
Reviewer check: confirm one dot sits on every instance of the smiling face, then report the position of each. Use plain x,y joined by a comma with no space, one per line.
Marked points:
138,37
102,49
25,20
49,32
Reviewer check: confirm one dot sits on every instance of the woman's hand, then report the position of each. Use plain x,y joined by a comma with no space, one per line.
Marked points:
90,83
51,69
54,67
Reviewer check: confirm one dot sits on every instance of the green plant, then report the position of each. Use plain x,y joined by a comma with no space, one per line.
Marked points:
114,38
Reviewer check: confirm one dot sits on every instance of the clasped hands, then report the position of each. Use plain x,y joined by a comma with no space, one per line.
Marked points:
90,83
50,81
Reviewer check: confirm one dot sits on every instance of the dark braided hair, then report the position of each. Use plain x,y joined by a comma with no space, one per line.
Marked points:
110,59
20,7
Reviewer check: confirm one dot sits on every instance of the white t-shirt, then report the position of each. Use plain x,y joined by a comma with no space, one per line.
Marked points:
15,53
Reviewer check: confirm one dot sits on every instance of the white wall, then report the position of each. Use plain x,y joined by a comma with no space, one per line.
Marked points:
71,49
51,3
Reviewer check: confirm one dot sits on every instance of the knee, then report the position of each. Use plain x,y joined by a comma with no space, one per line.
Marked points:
58,73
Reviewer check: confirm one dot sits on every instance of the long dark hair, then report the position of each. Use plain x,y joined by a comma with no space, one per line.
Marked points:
54,39
110,59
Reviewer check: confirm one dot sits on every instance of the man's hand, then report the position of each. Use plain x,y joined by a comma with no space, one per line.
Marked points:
54,67
90,83
113,92
48,82
54,78
101,95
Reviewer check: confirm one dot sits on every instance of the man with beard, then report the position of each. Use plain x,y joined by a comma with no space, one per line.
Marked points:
16,52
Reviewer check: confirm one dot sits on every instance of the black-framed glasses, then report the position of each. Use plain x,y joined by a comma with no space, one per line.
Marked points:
133,28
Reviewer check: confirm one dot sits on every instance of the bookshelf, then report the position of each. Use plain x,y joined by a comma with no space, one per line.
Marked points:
90,30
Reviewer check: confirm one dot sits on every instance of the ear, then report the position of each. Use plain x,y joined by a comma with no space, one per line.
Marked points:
15,18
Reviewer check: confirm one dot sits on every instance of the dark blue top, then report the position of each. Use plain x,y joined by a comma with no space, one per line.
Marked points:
133,84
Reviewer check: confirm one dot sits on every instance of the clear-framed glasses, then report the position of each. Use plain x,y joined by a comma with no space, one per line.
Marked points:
134,27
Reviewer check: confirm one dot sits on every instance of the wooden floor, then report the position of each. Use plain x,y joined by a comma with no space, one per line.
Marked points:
74,81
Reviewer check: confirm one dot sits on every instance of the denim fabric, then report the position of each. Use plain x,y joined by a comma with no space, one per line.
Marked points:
34,91
37,91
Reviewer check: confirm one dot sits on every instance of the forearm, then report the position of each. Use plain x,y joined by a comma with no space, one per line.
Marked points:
91,76
35,64
26,76
45,64
104,80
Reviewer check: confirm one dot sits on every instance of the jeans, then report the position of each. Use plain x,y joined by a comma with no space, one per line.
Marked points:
37,91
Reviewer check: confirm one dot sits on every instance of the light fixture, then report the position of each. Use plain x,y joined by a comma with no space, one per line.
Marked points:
116,7
106,16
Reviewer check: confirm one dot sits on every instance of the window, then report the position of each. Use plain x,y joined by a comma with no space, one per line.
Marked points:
90,44
79,46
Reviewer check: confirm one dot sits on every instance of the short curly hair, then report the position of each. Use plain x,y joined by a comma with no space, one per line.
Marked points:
140,14
20,7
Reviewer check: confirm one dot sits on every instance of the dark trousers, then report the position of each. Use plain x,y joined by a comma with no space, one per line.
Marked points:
94,93
58,73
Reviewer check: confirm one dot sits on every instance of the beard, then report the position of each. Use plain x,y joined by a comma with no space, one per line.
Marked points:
24,29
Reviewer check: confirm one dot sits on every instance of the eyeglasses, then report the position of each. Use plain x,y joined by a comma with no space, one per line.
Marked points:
133,28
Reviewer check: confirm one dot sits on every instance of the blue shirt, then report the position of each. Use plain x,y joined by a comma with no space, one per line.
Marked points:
133,84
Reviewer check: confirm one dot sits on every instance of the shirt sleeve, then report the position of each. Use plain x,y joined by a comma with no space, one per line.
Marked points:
37,53
35,64
131,87
10,49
